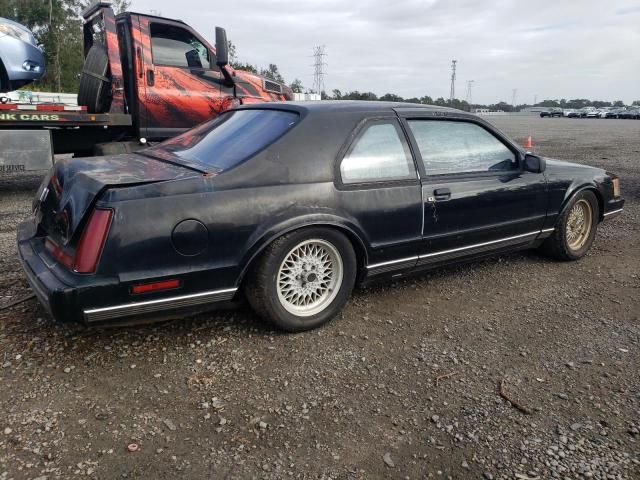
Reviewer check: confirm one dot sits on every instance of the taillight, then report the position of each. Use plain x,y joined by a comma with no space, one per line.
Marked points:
58,253
92,241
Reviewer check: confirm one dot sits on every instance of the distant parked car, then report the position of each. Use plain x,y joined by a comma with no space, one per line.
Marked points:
593,114
615,112
21,61
567,112
630,114
582,112
551,112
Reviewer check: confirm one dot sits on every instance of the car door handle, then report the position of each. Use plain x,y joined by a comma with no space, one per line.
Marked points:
442,193
150,78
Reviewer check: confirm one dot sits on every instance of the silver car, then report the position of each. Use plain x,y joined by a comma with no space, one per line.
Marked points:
21,61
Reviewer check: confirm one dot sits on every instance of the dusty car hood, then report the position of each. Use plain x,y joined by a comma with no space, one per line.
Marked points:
562,165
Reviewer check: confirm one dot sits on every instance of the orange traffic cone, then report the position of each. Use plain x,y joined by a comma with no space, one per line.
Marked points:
528,144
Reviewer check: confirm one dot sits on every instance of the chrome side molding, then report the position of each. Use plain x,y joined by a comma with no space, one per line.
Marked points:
160,304
385,266
613,212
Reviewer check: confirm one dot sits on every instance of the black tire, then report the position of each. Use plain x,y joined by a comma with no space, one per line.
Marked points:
261,289
95,83
4,79
557,245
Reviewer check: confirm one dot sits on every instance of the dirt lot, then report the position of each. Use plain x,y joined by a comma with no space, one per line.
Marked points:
403,385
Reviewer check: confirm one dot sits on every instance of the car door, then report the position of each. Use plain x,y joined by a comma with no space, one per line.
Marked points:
177,89
378,185
477,197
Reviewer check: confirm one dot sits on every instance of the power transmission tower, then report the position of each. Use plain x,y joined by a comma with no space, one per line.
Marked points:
318,68
452,94
513,97
469,96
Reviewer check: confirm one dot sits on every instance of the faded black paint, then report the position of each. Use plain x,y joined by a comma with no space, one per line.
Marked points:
290,184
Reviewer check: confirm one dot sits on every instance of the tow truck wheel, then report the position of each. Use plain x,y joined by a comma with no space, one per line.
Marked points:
95,81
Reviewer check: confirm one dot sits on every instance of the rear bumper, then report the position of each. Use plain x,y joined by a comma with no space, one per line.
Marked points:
54,295
94,300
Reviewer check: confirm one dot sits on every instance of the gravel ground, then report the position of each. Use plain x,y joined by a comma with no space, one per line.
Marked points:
405,384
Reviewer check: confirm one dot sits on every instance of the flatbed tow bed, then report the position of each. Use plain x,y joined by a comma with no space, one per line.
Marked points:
50,115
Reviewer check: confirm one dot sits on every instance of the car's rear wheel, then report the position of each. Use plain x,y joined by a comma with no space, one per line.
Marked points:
575,229
303,279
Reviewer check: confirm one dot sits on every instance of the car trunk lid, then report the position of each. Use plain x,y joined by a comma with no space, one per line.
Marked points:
72,187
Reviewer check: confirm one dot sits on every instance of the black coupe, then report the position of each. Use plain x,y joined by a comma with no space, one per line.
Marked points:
291,205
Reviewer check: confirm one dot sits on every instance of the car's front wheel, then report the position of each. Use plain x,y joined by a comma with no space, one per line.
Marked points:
575,229
303,279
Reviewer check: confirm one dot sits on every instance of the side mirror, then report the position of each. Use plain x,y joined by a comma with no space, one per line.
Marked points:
222,56
534,164
222,47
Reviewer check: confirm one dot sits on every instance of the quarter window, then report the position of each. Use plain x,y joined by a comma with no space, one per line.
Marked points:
177,47
378,155
449,147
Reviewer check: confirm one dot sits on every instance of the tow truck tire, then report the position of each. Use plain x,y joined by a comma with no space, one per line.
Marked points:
95,82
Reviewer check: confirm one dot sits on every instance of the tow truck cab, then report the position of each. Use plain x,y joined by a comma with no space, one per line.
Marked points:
165,74
144,77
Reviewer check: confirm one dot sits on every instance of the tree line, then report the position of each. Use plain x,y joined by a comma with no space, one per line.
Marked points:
577,103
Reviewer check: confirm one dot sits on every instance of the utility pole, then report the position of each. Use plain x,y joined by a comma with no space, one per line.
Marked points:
318,69
535,99
513,98
452,94
469,96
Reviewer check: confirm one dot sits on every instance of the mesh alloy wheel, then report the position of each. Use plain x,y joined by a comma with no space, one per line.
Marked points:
309,277
579,223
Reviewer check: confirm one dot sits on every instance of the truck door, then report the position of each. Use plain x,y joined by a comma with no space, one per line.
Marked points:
177,88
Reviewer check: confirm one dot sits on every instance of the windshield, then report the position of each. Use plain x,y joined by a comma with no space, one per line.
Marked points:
228,140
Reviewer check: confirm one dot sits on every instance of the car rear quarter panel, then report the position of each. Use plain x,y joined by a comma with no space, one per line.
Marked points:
286,186
240,224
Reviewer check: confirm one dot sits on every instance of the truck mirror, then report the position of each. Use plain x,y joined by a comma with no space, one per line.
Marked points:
222,47
222,56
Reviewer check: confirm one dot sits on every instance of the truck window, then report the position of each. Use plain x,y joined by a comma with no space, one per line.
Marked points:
177,47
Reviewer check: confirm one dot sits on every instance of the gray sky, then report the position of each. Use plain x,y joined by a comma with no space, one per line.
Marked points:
549,48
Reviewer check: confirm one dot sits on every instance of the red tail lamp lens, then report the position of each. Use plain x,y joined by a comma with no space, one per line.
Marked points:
154,287
59,254
92,241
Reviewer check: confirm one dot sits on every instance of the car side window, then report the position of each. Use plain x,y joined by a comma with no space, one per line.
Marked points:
177,47
378,155
449,147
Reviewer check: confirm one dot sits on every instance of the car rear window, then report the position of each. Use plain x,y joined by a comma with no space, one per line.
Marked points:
229,139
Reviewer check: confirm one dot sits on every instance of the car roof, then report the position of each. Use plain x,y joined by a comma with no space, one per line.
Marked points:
347,106
14,23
